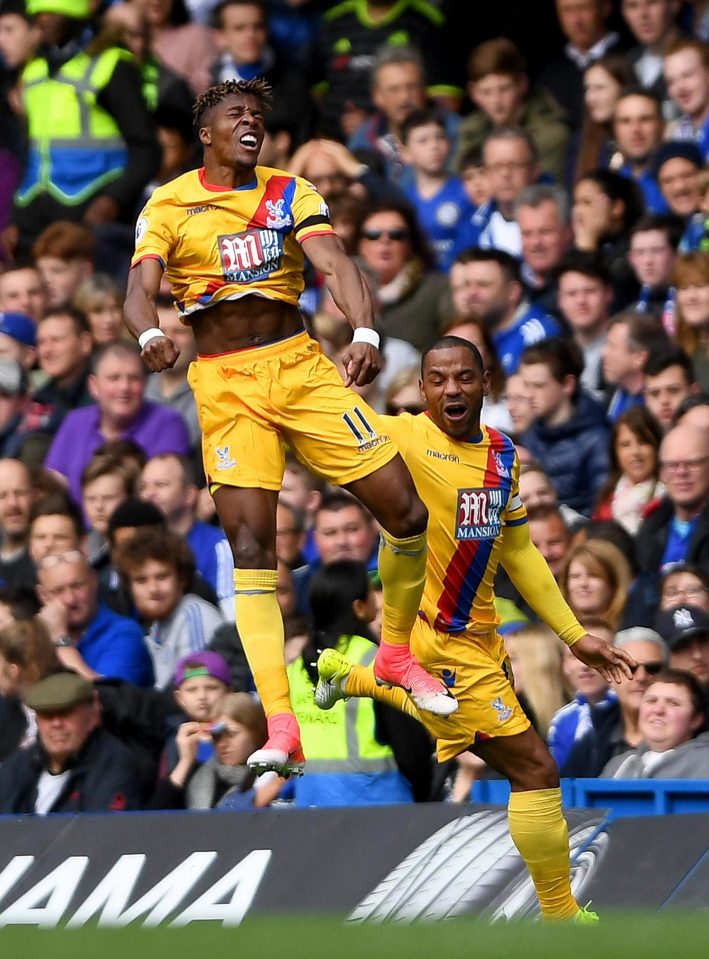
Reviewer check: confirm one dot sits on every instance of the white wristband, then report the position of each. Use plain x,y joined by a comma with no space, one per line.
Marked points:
147,335
363,334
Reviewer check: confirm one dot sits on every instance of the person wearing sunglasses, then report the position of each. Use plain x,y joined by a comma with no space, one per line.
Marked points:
671,721
614,728
393,251
231,238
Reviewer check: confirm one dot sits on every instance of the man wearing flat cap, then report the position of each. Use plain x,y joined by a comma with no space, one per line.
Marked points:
75,765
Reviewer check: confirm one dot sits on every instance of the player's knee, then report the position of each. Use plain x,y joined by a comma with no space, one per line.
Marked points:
536,769
544,771
249,552
418,517
412,519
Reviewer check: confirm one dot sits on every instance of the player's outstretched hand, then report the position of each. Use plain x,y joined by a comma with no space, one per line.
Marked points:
612,663
362,362
159,354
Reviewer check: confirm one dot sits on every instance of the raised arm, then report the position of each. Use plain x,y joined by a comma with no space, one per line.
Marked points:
362,360
158,352
534,580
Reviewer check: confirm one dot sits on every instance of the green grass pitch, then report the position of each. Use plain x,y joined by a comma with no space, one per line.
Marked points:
637,936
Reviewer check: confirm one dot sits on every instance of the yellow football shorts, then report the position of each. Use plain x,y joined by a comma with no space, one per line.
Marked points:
253,401
477,671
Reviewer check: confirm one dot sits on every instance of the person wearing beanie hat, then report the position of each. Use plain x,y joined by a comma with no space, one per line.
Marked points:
676,166
202,680
75,765
686,70
88,160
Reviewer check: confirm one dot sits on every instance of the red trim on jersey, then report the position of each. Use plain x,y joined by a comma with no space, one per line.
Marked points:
212,187
307,236
275,188
463,557
149,256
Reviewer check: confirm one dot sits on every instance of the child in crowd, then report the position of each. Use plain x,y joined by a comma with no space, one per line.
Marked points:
106,482
224,781
590,690
476,183
159,568
441,204
202,680
99,299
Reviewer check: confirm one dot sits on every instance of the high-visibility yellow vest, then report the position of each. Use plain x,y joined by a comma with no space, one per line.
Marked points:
75,146
341,739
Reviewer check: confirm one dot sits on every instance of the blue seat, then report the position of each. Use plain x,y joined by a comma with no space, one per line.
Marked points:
643,797
621,797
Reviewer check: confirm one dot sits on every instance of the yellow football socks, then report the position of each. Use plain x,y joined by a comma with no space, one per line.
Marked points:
402,569
260,626
540,833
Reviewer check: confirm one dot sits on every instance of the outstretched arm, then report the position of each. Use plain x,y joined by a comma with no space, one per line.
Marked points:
534,580
351,294
140,315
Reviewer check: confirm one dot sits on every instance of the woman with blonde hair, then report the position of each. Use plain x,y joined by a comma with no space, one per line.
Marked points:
595,579
99,299
535,654
403,394
690,278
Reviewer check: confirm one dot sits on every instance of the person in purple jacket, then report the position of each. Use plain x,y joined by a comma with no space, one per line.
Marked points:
120,411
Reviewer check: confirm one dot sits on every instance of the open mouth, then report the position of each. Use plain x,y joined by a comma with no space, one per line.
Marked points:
249,141
455,411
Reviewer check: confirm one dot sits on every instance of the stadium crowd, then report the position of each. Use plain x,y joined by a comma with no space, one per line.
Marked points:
546,199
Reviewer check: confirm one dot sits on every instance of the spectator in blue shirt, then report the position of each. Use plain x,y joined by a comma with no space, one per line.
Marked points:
638,129
569,434
167,482
439,199
90,638
590,690
486,285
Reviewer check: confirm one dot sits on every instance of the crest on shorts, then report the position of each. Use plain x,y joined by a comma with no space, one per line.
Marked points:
503,712
448,677
225,460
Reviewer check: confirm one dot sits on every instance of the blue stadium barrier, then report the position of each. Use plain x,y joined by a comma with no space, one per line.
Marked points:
622,797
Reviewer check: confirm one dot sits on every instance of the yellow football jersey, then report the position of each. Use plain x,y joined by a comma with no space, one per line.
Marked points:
216,243
471,490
